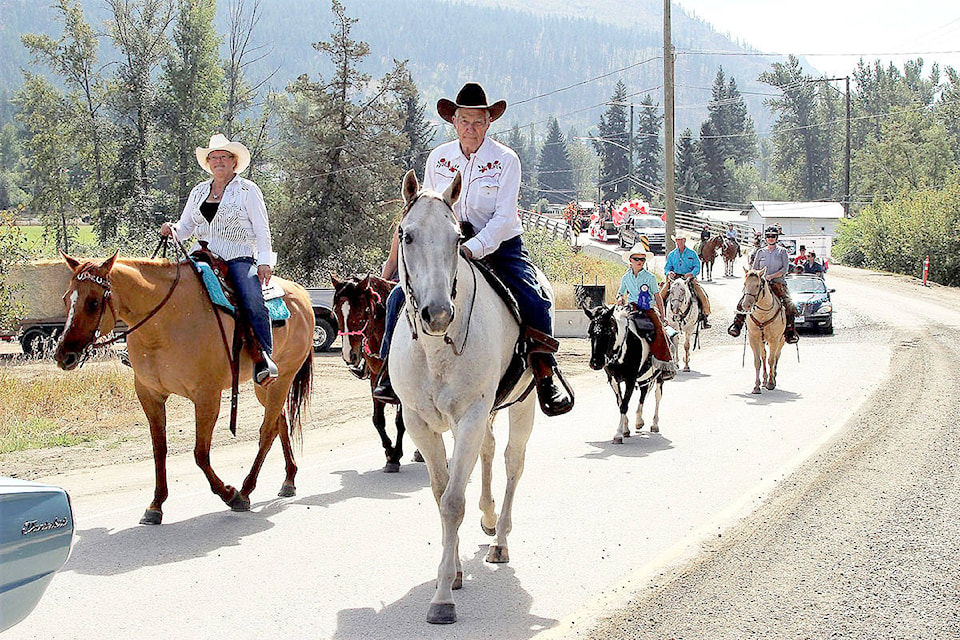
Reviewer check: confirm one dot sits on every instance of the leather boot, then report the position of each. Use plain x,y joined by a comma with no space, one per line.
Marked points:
790,331
265,370
737,325
703,321
383,391
555,395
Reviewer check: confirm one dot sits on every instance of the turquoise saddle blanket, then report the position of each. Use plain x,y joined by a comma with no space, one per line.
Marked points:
275,305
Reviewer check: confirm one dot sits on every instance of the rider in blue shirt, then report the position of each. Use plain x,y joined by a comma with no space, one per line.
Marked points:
685,262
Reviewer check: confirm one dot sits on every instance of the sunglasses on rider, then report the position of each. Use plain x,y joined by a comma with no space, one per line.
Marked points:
638,258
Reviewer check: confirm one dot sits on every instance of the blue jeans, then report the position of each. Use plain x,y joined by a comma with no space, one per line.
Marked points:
512,264
243,275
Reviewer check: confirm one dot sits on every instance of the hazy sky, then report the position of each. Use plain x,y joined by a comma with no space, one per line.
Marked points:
920,28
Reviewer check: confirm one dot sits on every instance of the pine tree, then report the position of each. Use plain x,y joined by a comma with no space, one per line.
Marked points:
649,149
689,169
419,131
716,178
612,146
523,147
344,146
191,98
554,169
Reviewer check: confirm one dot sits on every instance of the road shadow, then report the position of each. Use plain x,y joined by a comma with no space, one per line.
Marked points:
776,396
492,604
373,484
106,552
636,446
685,376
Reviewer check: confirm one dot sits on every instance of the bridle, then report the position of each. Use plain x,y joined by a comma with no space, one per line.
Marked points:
756,297
414,311
107,301
362,331
680,318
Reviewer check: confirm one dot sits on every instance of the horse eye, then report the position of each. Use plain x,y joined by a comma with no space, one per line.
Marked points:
93,304
407,238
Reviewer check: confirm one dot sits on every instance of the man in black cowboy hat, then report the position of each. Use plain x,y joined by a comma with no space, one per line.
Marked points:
777,262
487,210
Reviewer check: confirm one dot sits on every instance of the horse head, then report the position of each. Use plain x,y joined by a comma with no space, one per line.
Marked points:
87,300
430,253
753,287
678,296
352,319
602,333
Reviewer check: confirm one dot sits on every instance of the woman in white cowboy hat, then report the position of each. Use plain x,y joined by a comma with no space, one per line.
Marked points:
487,211
229,214
641,292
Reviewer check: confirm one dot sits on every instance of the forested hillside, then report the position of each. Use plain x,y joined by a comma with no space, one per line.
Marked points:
520,55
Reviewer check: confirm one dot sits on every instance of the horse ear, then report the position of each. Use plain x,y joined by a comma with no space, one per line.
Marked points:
452,193
73,263
365,282
335,281
746,269
108,263
410,187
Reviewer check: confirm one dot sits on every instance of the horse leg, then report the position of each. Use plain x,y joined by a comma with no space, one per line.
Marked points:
623,403
398,447
273,420
657,394
380,424
154,406
774,359
643,397
466,449
206,410
288,489
488,519
521,425
756,344
686,350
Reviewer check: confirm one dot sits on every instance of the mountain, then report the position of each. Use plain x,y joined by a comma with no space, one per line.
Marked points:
545,57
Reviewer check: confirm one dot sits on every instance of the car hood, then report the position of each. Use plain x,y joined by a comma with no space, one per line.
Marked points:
807,298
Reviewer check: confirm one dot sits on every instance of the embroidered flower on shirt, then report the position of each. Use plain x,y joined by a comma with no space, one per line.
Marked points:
443,162
490,165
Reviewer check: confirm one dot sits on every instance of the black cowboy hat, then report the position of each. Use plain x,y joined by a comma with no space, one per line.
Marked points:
470,96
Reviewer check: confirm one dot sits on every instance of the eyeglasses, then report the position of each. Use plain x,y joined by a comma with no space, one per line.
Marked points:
213,158
638,259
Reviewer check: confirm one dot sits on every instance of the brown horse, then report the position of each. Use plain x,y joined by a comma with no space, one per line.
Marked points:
360,307
176,348
731,250
708,254
766,320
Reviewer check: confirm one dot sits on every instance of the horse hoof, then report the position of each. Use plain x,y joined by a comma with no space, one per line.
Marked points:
490,531
654,429
686,369
417,457
287,490
497,554
618,440
391,467
238,502
151,516
457,581
771,386
756,391
442,613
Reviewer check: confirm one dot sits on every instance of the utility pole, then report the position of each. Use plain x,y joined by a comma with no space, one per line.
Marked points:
669,173
846,159
630,161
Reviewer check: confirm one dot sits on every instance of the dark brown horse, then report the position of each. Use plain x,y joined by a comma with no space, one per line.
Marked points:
360,307
709,251
176,348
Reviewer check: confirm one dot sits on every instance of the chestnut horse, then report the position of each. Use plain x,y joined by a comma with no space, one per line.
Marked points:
360,307
708,254
766,320
176,348
731,250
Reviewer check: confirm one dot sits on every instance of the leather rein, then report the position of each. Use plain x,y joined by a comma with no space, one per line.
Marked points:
764,286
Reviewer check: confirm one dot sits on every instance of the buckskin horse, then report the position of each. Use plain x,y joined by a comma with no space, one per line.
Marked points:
708,255
446,362
176,347
360,307
731,249
766,320
628,362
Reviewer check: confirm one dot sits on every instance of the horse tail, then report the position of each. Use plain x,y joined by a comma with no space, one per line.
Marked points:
298,398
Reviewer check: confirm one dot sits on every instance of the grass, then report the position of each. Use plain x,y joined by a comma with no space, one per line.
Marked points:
34,235
59,408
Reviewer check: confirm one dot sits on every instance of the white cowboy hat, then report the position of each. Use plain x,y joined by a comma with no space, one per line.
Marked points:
219,142
678,237
638,249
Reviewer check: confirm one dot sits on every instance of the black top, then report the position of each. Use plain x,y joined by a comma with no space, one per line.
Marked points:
209,209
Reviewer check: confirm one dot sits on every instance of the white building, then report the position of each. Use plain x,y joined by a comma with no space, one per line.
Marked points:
796,218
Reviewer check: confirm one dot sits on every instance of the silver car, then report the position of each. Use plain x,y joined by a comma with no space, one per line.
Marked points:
36,536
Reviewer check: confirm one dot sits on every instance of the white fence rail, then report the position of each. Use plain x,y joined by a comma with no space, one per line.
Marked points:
694,222
556,228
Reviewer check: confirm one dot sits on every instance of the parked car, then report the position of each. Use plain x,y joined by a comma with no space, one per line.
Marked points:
647,225
812,297
36,536
325,322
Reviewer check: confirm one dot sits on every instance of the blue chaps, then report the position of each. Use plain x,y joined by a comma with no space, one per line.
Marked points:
512,264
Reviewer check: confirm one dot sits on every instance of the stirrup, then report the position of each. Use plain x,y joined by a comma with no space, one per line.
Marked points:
265,371
791,336
383,391
735,328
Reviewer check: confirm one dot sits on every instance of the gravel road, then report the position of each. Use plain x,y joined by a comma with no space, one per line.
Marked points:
863,541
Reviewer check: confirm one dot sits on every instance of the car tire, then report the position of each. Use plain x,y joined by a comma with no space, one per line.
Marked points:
323,335
32,342
828,330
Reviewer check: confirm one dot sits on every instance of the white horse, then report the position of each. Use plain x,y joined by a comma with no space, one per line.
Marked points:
446,361
683,312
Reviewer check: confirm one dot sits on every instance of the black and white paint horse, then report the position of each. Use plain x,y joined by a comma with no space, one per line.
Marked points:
628,363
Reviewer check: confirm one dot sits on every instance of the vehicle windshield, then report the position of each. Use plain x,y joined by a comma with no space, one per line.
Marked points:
806,285
648,222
